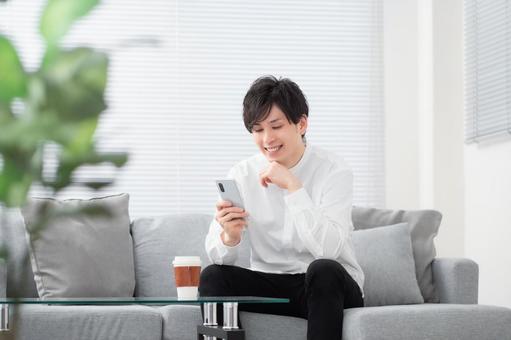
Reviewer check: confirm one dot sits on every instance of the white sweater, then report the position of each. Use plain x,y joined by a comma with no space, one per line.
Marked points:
287,231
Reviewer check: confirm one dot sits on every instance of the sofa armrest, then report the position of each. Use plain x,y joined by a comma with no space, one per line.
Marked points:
3,278
456,280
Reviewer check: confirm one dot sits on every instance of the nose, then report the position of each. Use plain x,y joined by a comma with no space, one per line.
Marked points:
268,137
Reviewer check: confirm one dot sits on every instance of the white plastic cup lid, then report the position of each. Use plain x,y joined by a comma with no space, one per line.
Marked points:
187,261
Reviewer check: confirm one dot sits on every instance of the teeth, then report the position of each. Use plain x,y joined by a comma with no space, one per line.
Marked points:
274,149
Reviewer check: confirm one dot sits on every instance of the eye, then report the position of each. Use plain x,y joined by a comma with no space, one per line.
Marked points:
277,127
258,130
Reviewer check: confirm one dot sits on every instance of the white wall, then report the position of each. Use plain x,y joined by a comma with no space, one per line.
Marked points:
427,163
448,134
401,104
424,113
478,174
488,216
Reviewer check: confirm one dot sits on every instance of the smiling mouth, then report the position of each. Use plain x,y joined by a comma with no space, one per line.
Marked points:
273,149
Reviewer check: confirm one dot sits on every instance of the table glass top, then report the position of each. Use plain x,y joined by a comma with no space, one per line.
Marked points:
139,300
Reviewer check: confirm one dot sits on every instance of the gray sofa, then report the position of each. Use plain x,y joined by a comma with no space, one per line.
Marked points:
157,240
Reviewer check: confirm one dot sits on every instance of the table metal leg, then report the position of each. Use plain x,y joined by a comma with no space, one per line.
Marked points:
230,315
230,329
210,317
220,332
4,317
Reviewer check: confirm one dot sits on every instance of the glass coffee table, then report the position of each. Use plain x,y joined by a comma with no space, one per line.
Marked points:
209,329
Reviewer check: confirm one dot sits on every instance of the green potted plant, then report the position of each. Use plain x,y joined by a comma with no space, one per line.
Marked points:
59,104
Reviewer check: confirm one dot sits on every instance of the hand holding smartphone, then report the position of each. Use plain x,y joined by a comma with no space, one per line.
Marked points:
231,218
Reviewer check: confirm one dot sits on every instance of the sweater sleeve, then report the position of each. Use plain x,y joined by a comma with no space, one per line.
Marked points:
217,251
324,227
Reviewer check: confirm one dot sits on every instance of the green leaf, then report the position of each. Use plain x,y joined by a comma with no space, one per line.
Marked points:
59,16
12,76
5,114
83,136
118,159
37,162
21,137
35,102
75,84
96,185
69,162
4,253
14,181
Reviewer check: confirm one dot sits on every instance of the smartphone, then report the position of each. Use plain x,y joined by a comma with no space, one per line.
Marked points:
228,190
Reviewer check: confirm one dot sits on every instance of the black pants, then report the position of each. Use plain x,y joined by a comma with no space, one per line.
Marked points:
320,295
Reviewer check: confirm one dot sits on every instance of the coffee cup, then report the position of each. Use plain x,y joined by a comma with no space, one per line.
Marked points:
187,274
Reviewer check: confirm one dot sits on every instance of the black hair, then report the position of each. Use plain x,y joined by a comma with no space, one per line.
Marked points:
268,91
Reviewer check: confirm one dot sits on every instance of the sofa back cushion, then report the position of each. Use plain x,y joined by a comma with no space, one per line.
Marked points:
79,253
157,240
423,226
386,257
20,278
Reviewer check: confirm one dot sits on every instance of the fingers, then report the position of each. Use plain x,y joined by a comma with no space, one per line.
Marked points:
262,174
222,204
225,211
233,224
231,216
264,179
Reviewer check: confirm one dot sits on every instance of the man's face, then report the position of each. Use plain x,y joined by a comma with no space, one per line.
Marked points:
278,139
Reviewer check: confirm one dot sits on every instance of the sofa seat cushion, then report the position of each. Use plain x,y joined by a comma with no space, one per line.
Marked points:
404,322
273,327
418,322
89,322
180,322
428,321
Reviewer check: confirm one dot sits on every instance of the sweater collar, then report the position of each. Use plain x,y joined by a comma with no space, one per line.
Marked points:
302,160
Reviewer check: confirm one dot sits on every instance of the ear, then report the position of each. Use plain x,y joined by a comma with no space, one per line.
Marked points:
302,124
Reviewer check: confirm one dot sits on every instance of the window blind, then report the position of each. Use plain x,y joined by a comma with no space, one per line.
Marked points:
179,71
487,29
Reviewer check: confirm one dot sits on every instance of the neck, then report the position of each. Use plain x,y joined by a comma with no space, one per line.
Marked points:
296,156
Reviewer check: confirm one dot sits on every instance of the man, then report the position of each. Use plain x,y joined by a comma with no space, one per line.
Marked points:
297,219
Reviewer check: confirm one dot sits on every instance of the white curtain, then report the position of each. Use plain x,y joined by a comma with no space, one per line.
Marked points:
487,69
180,69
